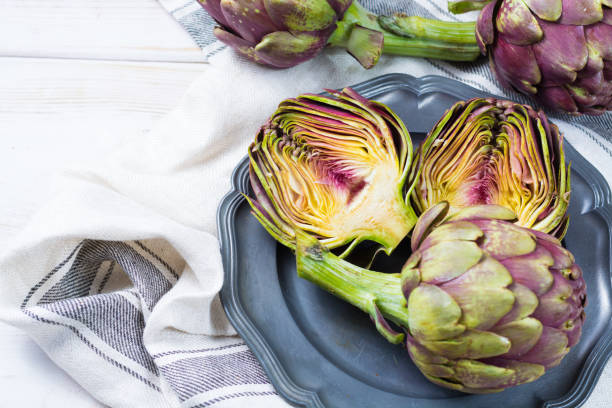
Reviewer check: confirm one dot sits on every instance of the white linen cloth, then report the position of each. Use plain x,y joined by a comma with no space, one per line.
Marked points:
117,277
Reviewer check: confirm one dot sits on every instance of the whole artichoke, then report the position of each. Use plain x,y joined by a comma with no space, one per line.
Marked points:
558,51
485,304
491,151
284,33
334,167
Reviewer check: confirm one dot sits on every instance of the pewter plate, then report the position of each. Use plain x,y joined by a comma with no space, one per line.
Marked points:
321,352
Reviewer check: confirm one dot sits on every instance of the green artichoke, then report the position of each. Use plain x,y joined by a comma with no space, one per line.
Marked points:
485,304
491,151
334,167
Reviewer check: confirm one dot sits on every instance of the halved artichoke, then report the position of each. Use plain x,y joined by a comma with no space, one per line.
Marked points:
491,151
334,167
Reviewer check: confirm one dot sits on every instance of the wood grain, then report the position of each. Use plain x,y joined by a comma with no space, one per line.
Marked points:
134,30
57,114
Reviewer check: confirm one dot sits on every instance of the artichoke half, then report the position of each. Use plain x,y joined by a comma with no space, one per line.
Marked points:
484,304
334,167
489,151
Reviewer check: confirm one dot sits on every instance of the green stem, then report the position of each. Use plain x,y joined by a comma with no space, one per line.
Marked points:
430,49
419,27
463,6
409,36
378,294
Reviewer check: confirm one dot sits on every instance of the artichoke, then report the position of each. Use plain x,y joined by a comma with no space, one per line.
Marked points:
485,304
558,51
491,151
334,167
284,33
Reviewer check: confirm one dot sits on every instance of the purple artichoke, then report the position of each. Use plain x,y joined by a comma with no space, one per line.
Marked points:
556,50
284,33
491,151
485,304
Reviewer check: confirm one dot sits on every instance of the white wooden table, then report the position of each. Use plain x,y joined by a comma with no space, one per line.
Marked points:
76,77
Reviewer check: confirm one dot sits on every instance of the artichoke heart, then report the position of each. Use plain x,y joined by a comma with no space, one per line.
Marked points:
489,151
334,167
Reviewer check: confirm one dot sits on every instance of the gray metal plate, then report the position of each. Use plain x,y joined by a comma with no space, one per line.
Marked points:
321,352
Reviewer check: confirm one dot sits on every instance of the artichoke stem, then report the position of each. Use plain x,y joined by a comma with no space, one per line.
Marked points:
463,6
408,36
430,49
425,28
378,294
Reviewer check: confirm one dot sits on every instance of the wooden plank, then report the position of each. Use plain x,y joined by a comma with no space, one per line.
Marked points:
56,114
134,30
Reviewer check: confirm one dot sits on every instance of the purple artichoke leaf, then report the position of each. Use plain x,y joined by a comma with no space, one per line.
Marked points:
557,98
553,309
340,6
525,303
519,26
599,36
503,239
427,221
523,334
561,53
532,270
244,47
551,346
283,49
607,12
562,258
384,327
485,30
213,7
573,330
549,10
581,12
517,65
582,96
607,71
248,18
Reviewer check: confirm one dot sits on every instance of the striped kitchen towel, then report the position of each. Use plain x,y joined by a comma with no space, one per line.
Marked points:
117,278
